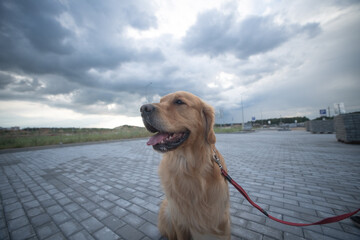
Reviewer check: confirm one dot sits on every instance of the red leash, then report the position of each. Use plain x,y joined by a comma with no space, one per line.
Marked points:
246,196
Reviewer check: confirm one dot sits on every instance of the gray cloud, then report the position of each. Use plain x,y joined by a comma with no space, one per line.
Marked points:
35,23
217,33
5,80
61,42
34,40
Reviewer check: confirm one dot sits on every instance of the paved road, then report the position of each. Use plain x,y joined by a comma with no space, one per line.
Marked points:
112,191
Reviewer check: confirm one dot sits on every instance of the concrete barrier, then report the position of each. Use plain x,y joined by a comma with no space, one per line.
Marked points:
321,126
347,127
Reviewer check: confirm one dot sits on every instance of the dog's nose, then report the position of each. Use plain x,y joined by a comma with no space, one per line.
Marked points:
147,108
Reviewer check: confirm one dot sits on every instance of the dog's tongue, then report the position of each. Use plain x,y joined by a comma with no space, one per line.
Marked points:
157,138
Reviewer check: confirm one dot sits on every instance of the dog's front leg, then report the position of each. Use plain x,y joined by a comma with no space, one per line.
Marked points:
181,233
165,224
168,227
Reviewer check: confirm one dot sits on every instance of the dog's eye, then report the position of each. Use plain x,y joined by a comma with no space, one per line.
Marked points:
179,102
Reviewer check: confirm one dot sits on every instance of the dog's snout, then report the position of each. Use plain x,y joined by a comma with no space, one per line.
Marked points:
147,108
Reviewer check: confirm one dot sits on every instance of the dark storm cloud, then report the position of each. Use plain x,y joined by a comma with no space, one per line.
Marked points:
5,80
216,33
20,85
137,14
34,22
34,41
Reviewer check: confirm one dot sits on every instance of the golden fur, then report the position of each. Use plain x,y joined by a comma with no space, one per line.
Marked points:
196,204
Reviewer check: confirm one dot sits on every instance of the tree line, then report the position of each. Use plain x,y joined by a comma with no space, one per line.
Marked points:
282,120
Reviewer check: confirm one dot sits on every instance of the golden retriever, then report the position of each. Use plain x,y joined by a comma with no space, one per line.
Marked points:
196,204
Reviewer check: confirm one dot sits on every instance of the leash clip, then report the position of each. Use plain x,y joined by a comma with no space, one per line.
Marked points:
217,160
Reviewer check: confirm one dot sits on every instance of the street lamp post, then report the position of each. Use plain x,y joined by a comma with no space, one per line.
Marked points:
147,93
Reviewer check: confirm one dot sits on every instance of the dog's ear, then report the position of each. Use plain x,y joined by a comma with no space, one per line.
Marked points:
209,116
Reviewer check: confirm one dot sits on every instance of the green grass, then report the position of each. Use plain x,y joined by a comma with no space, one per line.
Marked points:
232,129
64,136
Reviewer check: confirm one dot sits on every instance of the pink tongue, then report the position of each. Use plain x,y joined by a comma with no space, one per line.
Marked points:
157,138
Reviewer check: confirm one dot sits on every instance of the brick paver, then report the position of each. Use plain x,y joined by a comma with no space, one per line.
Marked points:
112,190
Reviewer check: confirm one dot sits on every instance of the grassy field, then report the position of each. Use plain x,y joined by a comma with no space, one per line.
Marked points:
228,129
55,136
32,137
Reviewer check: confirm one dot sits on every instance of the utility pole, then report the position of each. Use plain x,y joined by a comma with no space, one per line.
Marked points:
242,110
221,113
146,92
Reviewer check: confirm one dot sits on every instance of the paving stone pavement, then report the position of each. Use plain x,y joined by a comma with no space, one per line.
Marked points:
112,190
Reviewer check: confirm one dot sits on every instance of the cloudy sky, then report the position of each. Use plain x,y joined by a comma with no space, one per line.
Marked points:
94,63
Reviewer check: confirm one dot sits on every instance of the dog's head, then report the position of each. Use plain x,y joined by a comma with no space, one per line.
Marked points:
179,120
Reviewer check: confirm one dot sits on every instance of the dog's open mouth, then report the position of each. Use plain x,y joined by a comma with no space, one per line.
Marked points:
164,142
